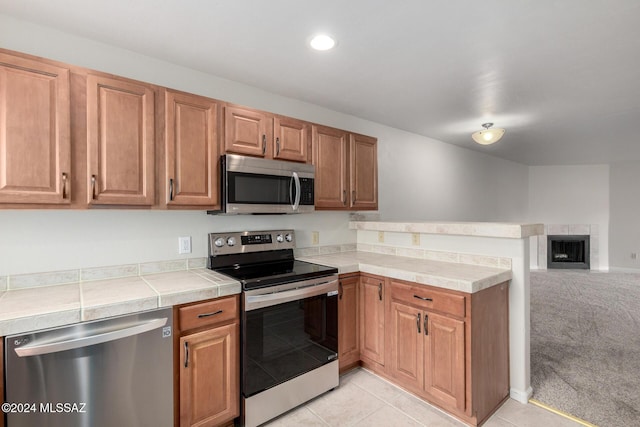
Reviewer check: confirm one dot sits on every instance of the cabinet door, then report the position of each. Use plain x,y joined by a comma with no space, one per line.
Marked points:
330,160
209,377
292,139
444,360
247,131
372,318
120,142
363,172
405,330
191,150
35,150
348,336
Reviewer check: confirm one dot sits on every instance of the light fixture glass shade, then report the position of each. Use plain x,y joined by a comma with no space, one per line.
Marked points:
488,135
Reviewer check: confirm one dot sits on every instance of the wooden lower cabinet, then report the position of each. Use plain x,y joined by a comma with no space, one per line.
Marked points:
372,313
348,322
450,348
208,363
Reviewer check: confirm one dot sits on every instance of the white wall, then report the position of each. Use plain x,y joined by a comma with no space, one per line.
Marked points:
624,229
419,178
423,179
570,195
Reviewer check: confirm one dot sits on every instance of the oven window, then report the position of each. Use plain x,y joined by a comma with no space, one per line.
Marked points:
259,189
284,341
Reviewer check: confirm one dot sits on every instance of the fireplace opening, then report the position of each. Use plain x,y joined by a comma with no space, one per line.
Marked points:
568,252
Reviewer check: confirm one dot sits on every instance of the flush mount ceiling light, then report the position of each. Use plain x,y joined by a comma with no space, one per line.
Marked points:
322,42
488,136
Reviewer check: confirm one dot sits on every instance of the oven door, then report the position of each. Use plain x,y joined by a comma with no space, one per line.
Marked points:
252,185
288,330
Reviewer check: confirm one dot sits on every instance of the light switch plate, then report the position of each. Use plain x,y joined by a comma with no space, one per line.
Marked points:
380,236
315,237
415,239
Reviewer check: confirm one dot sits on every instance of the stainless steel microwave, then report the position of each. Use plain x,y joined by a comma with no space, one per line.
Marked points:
252,185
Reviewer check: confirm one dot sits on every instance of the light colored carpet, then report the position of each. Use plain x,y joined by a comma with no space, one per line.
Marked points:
585,344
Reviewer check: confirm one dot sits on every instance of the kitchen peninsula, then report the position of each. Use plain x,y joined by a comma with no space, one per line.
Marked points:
457,262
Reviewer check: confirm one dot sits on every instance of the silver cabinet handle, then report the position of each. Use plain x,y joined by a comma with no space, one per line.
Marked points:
64,185
277,146
380,291
426,323
186,354
264,144
35,349
170,189
93,187
200,316
418,322
423,298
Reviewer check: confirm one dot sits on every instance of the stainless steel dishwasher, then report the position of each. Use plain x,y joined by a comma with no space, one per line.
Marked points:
116,372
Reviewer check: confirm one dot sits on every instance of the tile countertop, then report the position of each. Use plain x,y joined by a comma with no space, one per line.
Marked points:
509,230
31,309
34,308
448,275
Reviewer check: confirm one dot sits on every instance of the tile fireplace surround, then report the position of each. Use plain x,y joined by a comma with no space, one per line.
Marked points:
590,230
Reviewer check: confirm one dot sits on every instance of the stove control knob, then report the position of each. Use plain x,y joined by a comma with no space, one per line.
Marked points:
231,241
219,242
289,237
279,238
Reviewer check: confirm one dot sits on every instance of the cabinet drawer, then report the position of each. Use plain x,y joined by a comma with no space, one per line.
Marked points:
208,313
427,298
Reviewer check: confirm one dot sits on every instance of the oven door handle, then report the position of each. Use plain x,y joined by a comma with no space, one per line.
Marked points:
254,302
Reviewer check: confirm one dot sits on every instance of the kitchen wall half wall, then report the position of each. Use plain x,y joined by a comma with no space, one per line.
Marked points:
419,178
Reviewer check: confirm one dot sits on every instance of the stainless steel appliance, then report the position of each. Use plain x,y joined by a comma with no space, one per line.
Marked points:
252,185
106,373
289,323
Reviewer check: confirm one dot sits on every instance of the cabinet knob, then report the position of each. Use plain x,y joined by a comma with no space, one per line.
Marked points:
186,354
264,144
418,322
277,146
170,189
380,291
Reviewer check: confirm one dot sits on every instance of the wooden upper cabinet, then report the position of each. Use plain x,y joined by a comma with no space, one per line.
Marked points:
330,159
247,131
35,149
346,170
363,171
292,139
191,150
120,142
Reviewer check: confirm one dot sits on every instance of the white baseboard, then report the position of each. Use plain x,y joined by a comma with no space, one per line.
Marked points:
624,270
521,396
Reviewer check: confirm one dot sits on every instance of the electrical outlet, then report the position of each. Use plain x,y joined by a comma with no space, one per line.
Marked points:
315,238
415,239
380,236
184,245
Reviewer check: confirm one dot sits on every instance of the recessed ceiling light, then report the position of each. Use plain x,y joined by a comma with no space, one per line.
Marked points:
322,42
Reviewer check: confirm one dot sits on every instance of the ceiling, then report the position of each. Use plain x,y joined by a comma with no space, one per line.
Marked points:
561,76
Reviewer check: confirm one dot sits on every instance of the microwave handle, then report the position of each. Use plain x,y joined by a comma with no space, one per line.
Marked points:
296,202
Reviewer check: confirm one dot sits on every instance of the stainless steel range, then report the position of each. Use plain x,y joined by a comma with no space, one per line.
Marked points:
289,350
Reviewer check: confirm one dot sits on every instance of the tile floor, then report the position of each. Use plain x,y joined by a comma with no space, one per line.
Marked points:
364,399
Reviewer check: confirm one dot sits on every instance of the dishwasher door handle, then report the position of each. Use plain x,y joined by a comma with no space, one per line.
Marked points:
35,349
